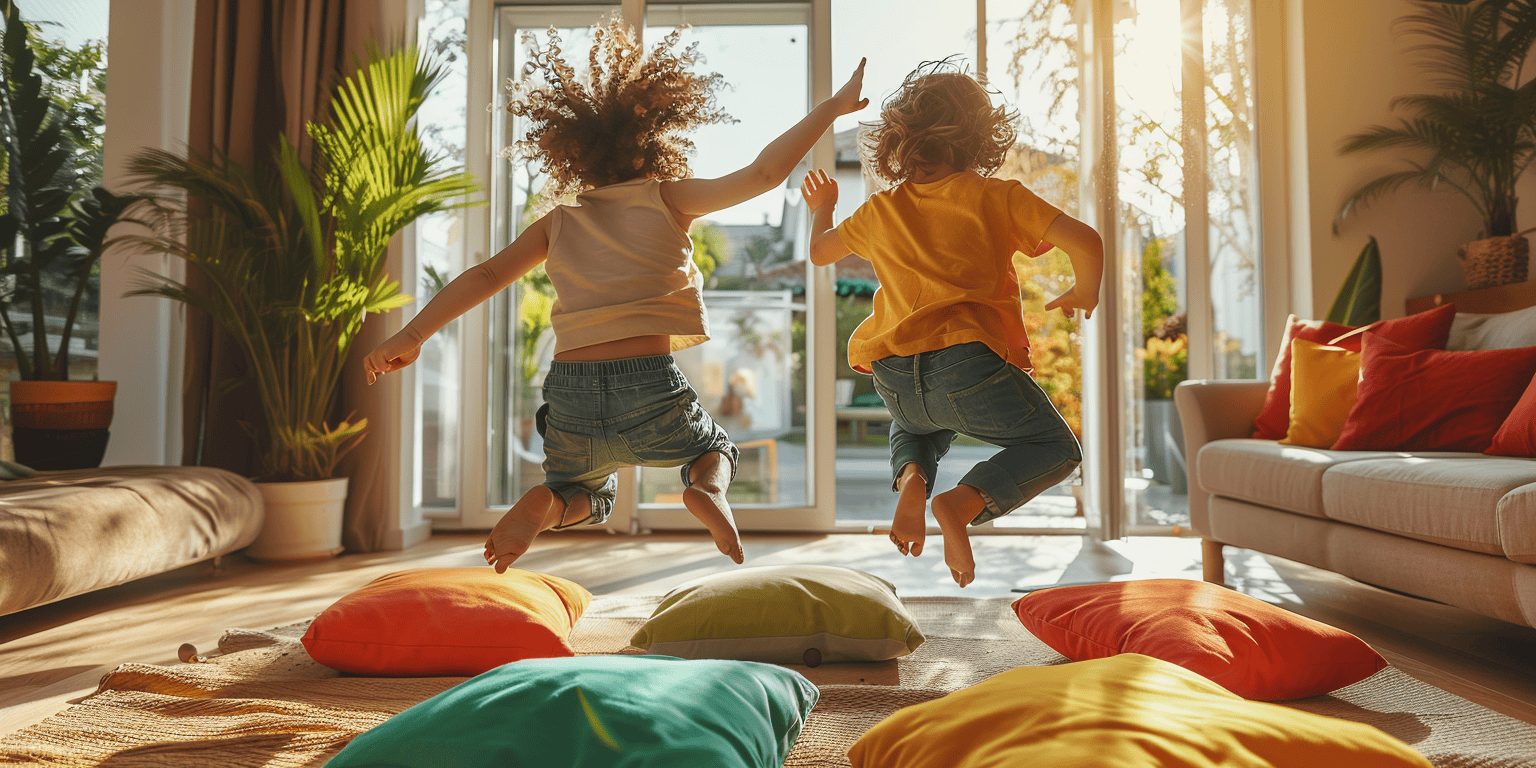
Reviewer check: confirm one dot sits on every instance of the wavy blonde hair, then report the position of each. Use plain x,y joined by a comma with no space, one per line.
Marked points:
623,119
938,115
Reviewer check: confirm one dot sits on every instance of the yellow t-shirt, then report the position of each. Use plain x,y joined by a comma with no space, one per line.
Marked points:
944,254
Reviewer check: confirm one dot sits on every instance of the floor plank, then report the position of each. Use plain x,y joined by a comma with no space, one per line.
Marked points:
53,654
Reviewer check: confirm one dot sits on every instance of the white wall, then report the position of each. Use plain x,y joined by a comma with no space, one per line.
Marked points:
1354,63
149,78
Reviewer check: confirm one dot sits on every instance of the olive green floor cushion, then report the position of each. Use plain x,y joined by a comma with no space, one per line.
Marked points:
782,615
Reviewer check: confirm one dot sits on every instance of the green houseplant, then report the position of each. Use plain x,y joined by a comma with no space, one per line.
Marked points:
1479,133
294,256
53,230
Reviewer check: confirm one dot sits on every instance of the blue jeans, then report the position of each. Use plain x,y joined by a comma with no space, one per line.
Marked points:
600,416
969,390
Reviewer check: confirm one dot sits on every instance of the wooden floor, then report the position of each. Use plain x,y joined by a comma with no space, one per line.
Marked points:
55,654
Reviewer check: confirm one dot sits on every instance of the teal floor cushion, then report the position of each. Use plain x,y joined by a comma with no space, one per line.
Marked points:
591,711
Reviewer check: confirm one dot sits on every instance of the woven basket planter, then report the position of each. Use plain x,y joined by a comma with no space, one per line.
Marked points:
1495,260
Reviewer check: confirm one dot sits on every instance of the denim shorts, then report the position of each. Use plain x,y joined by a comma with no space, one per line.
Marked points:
600,416
967,389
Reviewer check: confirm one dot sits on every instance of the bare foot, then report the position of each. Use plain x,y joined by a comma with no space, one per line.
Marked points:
910,527
537,511
954,509
708,479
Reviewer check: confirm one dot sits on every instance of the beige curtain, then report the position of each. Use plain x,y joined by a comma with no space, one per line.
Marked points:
261,69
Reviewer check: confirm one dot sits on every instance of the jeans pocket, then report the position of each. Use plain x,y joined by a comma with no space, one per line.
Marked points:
997,408
670,434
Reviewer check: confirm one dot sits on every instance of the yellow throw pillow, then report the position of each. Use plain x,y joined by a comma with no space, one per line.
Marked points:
779,614
1121,712
1323,384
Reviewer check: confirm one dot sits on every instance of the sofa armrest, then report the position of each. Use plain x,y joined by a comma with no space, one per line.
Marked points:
1213,410
1216,409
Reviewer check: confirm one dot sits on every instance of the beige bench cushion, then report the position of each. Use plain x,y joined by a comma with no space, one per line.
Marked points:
1517,525
1288,477
1449,499
64,533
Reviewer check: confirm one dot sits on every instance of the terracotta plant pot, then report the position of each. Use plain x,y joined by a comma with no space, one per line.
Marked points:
61,424
1495,260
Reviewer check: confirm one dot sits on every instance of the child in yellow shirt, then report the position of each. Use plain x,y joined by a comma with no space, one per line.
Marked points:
946,341
627,291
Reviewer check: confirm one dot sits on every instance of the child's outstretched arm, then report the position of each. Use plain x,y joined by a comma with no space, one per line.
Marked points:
696,197
1086,250
468,290
820,193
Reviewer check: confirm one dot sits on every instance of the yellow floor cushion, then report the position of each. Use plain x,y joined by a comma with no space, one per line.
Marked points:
1123,711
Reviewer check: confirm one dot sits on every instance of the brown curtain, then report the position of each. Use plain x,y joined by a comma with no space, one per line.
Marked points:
261,69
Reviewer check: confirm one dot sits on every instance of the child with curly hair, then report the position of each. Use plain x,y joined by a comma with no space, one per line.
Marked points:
627,291
946,342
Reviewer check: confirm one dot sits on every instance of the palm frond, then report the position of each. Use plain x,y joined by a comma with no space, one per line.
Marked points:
295,258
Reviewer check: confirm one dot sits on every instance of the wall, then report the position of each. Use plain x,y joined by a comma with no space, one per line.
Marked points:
148,80
1355,62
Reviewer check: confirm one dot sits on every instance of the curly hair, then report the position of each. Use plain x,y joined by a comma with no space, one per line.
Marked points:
622,120
938,115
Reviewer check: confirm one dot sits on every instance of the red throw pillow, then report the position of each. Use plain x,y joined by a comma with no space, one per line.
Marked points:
447,622
1431,399
1251,648
1518,435
1425,330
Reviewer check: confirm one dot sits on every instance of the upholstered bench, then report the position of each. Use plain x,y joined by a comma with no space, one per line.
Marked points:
69,532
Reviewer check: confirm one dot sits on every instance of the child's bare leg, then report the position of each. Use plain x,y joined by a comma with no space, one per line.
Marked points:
910,527
537,511
708,479
954,509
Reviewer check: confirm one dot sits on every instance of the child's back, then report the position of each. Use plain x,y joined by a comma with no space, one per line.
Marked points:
943,251
620,264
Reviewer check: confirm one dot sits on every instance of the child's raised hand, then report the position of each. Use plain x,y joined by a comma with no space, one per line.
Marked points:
395,353
819,189
847,98
1072,300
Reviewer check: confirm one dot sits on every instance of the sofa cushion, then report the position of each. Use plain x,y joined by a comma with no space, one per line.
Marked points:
1447,499
1288,477
1517,524
1505,330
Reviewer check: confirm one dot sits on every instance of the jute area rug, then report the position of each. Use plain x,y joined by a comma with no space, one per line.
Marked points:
262,702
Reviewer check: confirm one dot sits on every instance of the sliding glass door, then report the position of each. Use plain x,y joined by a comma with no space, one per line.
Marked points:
1136,116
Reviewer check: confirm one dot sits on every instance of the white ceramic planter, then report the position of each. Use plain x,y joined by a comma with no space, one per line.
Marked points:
303,520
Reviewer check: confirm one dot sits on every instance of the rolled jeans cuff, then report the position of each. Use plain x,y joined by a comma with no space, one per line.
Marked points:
599,501
913,454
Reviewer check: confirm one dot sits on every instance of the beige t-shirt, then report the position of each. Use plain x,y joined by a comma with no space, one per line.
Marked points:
621,267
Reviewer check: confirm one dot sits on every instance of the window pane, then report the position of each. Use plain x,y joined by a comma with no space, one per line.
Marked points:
73,34
1231,166
910,34
440,255
1032,61
1151,285
520,342
750,375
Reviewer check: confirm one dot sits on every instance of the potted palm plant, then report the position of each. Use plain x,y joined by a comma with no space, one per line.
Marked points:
1479,134
52,233
295,261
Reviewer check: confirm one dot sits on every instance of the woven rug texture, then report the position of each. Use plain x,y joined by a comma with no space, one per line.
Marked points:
261,701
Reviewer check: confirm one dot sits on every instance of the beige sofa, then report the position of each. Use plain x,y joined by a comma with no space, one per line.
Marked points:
69,532
1459,528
